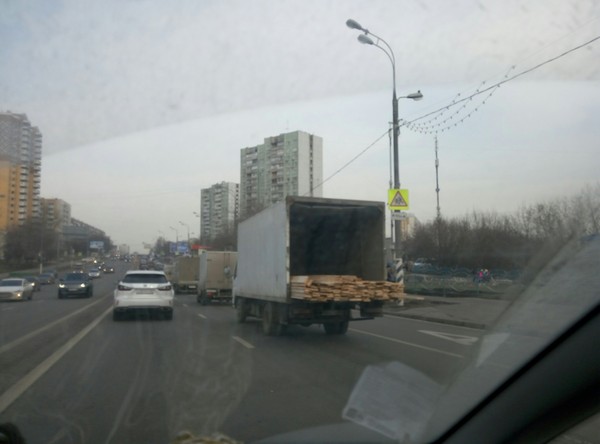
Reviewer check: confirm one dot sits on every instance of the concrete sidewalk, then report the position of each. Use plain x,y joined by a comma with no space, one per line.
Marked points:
469,312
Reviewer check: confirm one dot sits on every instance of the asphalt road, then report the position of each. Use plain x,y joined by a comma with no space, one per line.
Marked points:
70,374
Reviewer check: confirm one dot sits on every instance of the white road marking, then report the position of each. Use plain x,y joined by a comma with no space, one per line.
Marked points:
243,342
410,344
8,308
22,339
202,316
428,322
13,393
459,339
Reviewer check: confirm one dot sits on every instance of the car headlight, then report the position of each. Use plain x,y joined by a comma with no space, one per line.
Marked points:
82,285
61,285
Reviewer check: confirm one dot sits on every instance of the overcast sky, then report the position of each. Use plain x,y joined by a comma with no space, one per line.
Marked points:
142,103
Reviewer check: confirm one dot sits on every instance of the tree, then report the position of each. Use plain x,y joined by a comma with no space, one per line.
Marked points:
491,240
29,243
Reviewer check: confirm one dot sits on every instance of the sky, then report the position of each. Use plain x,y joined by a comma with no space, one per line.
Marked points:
142,103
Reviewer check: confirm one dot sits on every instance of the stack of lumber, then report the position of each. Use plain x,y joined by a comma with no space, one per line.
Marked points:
323,288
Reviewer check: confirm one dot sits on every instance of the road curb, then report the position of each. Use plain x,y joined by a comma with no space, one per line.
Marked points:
469,324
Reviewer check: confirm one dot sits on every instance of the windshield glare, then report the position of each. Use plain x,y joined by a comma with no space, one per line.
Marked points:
363,220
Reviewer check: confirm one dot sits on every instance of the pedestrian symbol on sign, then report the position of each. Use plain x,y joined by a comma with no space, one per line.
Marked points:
398,199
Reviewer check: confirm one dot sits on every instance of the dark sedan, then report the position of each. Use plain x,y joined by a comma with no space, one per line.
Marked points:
75,284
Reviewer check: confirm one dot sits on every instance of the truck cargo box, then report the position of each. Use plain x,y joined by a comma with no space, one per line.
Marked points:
308,236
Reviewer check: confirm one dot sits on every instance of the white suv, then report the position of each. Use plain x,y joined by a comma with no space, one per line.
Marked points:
143,290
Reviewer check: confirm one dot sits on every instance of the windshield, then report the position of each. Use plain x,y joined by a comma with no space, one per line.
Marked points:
283,215
75,277
11,283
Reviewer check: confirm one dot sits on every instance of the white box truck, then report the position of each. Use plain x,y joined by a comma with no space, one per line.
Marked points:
304,237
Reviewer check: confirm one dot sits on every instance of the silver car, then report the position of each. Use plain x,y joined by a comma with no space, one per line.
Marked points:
15,289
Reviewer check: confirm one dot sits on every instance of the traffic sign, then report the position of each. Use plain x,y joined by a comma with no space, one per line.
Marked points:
398,199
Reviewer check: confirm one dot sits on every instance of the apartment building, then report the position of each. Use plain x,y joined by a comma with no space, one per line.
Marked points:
56,213
20,170
219,209
287,164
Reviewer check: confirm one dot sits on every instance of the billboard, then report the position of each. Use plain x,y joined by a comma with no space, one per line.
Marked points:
96,245
179,248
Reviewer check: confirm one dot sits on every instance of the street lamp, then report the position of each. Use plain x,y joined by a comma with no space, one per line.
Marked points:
176,238
199,224
365,39
188,234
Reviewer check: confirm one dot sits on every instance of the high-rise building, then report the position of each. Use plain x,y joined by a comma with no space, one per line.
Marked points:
219,209
55,213
20,170
284,165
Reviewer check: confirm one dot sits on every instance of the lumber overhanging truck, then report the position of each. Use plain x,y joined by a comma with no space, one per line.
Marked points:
302,240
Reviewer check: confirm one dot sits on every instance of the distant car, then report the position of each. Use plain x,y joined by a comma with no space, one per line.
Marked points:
33,280
143,290
15,289
46,278
75,284
94,273
108,269
53,272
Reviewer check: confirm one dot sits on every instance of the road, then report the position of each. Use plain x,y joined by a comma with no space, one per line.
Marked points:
70,374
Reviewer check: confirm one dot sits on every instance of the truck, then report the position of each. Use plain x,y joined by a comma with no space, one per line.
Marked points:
303,238
184,275
215,276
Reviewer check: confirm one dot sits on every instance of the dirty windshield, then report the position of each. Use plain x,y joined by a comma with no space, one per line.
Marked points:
305,220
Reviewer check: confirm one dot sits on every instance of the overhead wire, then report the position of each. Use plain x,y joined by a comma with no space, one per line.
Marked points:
455,102
496,85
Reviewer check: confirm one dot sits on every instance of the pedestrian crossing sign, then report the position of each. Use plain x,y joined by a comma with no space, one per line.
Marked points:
398,199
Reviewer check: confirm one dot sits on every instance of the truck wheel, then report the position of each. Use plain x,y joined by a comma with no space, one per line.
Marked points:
336,328
241,310
270,320
202,299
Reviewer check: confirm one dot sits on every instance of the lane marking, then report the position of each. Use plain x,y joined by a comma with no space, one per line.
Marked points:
459,339
34,333
243,342
410,344
8,308
202,316
429,322
13,393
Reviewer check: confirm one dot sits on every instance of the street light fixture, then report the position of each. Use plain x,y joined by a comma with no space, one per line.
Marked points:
176,237
199,224
365,39
188,234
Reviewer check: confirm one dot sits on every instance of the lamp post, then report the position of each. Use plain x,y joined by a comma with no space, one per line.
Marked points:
188,234
199,226
365,39
176,239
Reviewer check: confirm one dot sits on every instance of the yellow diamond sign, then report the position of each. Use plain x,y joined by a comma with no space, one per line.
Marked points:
398,199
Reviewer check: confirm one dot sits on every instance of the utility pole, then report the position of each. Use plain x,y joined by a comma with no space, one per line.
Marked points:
437,182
